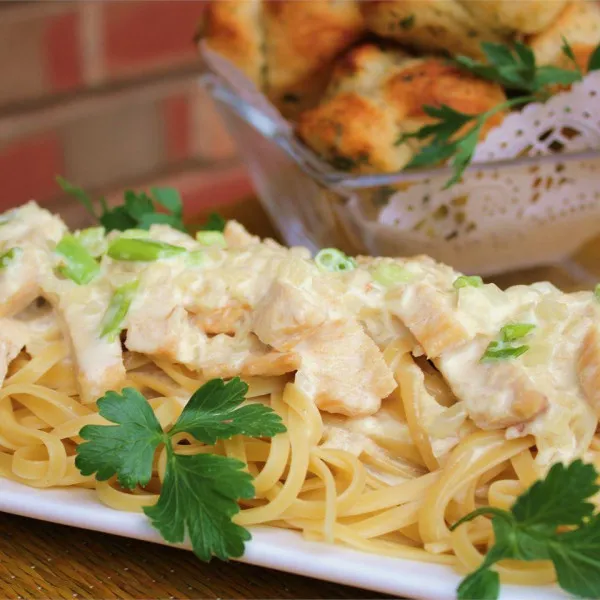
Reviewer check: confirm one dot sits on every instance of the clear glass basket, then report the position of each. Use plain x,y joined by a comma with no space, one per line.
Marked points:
504,215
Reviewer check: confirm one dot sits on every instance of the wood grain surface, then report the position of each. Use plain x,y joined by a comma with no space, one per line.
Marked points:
42,560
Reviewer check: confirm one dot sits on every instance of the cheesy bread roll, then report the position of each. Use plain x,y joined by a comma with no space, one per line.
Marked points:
511,17
286,47
429,25
377,95
234,30
579,24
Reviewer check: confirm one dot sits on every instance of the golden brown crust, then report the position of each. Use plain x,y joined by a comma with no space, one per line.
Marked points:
233,29
429,25
302,39
375,96
515,16
579,23
285,47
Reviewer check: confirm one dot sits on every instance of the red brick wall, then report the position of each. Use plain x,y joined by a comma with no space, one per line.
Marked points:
106,93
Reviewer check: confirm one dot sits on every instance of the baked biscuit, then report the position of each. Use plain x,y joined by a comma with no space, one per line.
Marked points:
579,23
429,25
286,47
235,30
512,17
375,96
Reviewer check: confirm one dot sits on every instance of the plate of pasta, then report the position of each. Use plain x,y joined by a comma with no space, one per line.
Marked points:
386,423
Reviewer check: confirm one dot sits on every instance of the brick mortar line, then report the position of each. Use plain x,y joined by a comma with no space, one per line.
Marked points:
47,115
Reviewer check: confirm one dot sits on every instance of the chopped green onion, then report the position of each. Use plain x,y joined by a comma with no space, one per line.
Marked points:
467,281
515,331
7,257
389,275
597,292
211,238
332,259
133,249
498,351
117,310
504,349
93,240
135,233
80,266
197,258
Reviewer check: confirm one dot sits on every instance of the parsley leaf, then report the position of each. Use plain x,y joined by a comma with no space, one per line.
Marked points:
560,498
138,211
200,492
529,531
215,222
199,496
594,60
446,141
127,448
455,135
576,558
214,413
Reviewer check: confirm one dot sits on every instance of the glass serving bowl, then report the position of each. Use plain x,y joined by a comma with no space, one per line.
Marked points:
502,216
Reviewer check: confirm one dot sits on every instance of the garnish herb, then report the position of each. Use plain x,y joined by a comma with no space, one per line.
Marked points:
200,491
211,238
79,265
117,310
390,274
332,259
516,70
139,210
467,281
506,348
515,331
215,222
135,249
597,292
552,520
7,257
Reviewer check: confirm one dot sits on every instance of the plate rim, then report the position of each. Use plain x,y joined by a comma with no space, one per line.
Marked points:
270,547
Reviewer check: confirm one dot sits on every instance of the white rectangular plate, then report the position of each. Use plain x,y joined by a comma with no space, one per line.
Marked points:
270,547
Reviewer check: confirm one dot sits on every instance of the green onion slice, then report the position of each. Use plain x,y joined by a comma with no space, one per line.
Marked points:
117,310
211,238
515,331
506,348
134,249
79,265
7,257
500,351
93,240
391,274
332,259
135,233
467,281
597,292
196,258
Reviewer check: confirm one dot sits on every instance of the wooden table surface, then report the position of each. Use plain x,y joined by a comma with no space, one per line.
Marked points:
43,560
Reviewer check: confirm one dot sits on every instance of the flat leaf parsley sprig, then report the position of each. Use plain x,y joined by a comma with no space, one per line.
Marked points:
516,70
552,520
140,210
199,492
